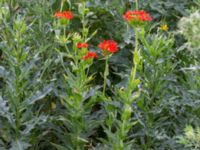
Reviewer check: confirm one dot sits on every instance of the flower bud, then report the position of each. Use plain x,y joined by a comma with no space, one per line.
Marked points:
127,112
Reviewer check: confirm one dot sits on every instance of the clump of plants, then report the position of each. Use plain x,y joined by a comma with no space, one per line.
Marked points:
189,28
191,138
88,74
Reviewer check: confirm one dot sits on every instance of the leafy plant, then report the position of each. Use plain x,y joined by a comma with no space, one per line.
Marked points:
191,138
79,98
22,89
189,28
61,89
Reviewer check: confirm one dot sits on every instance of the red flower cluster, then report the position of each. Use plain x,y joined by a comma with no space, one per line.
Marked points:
137,15
109,45
90,55
65,14
82,45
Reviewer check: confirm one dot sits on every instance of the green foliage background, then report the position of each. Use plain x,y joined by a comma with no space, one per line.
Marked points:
32,83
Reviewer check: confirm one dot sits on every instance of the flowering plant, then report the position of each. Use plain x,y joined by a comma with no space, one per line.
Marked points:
82,45
90,55
137,17
64,16
108,46
80,75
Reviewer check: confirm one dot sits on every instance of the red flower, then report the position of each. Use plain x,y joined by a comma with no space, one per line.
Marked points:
137,15
82,45
109,45
90,55
65,14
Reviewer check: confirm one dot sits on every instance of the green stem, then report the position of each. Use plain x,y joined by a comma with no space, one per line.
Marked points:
136,4
84,22
61,7
17,100
77,140
105,76
64,32
136,41
133,71
17,123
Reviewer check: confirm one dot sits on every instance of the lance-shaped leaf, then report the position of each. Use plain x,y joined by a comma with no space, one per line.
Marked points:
59,147
19,145
39,94
4,111
2,71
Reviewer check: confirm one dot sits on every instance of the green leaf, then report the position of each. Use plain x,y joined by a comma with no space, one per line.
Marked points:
3,108
19,145
1,145
4,111
136,57
59,147
2,71
31,124
39,94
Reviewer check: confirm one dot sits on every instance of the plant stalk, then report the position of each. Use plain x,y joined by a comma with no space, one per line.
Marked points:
105,75
136,40
136,4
